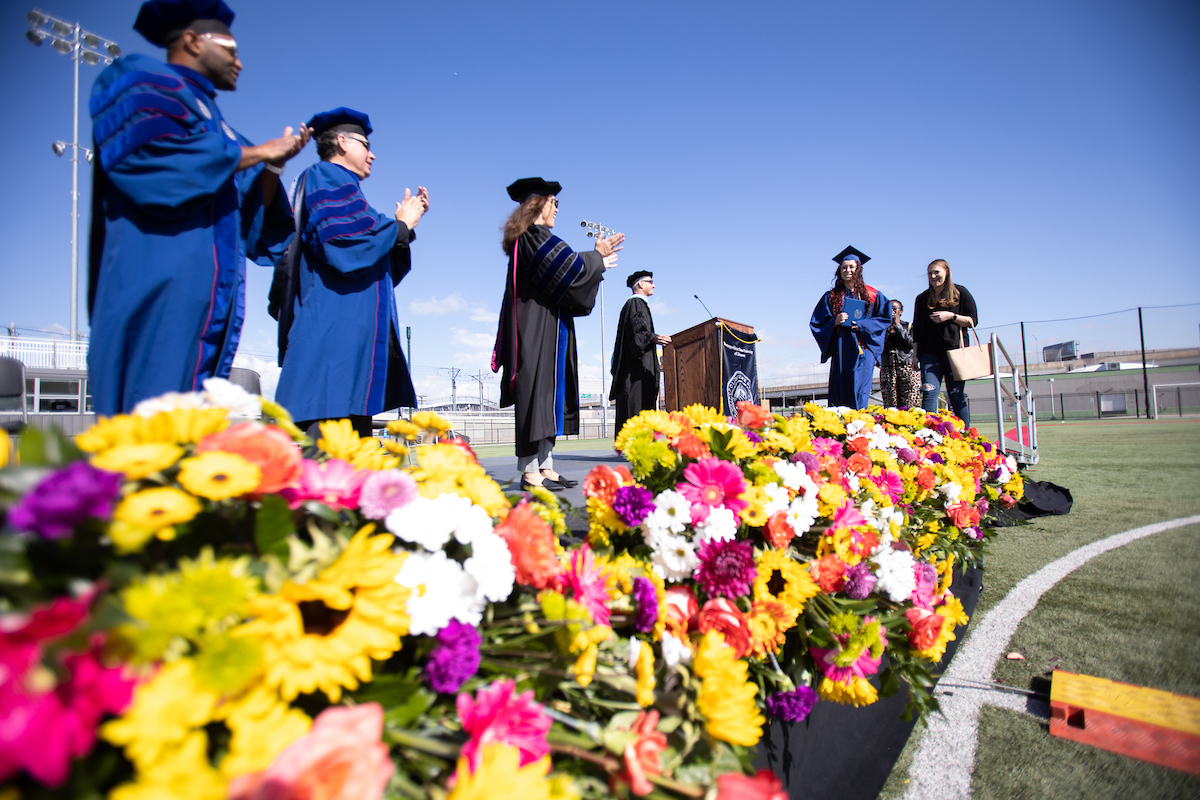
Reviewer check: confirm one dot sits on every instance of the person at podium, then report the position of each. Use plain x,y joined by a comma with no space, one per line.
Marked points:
546,286
635,366
849,324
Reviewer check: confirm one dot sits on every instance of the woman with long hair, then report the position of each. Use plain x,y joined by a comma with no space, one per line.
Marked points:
848,324
547,285
942,316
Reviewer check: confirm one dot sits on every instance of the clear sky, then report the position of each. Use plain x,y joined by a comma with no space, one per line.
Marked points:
1048,149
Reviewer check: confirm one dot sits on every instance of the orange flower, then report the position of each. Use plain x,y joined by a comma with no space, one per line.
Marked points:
641,755
682,609
768,621
341,758
752,416
626,475
859,463
721,614
859,444
268,447
779,532
602,483
926,628
531,543
690,445
829,572
926,478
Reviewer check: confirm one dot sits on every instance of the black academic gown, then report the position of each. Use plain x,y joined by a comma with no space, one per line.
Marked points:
634,362
547,286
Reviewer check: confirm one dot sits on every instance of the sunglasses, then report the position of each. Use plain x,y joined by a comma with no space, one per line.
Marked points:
364,142
221,40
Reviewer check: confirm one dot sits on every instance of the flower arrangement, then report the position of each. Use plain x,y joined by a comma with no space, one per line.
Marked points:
198,604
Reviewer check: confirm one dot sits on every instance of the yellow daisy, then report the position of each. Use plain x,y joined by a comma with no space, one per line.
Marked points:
429,421
217,475
701,414
262,725
500,776
769,622
165,711
323,634
783,579
448,469
138,460
4,448
160,507
726,697
402,427
859,692
182,771
824,420
340,440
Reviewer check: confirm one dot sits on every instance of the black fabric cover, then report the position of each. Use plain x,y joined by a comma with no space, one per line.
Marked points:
1041,499
846,753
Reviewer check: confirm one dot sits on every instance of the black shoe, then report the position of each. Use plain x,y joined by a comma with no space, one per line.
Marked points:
547,483
566,483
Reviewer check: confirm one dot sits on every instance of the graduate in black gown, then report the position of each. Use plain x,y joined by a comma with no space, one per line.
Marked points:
547,285
635,366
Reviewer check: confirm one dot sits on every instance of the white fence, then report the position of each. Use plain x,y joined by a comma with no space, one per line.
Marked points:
46,353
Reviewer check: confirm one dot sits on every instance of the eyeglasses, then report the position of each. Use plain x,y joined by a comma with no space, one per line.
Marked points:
364,142
554,200
221,40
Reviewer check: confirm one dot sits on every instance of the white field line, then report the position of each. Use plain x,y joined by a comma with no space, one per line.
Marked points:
945,758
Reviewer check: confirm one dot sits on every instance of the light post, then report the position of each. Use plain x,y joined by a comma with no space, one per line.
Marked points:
599,231
1052,398
69,39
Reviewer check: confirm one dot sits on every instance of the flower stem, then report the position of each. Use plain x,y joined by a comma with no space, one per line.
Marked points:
396,736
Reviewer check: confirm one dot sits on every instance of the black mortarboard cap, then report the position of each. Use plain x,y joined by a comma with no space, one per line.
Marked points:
527,187
341,119
852,251
637,276
162,21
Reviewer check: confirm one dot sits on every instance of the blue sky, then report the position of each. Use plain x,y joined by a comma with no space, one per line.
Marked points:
1046,149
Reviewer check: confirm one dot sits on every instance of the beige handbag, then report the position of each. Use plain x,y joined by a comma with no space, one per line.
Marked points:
972,361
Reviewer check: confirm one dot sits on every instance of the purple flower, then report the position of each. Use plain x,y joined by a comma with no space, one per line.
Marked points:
726,568
752,436
937,458
645,599
792,706
907,455
633,504
974,533
880,419
455,658
66,498
987,446
808,460
859,581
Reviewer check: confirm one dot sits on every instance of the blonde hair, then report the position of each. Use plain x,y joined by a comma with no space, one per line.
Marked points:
521,218
947,296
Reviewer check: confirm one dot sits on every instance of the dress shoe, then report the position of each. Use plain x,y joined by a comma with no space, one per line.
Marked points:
547,483
566,483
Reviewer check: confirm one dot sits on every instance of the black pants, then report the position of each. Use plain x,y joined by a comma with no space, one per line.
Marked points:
361,423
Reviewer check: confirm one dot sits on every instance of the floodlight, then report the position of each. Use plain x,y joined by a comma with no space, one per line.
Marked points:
88,155
90,58
113,50
61,28
59,148
35,37
62,46
91,40
35,19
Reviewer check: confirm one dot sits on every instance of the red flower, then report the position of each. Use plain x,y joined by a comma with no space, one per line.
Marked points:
926,628
1007,500
779,532
859,463
926,478
682,609
763,786
829,572
720,614
963,515
859,444
752,416
641,755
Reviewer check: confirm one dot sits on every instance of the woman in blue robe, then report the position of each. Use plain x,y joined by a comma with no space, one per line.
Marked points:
852,347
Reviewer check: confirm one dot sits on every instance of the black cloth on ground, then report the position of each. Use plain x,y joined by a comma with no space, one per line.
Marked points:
1041,499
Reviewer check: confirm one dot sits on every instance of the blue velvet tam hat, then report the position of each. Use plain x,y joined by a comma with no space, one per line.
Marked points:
852,254
341,119
525,188
164,21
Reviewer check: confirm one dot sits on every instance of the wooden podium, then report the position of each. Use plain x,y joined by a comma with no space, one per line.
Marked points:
692,364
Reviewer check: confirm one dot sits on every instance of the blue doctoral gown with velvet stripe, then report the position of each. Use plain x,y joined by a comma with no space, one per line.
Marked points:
343,349
852,358
173,221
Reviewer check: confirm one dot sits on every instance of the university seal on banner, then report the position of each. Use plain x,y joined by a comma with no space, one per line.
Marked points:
738,388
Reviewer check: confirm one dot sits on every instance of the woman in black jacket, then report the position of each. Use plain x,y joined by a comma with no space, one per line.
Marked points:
898,378
941,316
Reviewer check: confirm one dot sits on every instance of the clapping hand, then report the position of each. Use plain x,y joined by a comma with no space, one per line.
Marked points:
412,207
606,247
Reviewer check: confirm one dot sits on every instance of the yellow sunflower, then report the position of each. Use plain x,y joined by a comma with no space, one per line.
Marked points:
323,634
138,460
262,725
157,508
754,513
340,440
783,579
700,414
500,776
217,475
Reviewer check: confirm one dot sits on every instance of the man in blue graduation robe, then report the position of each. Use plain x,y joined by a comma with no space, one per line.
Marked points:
853,348
180,200
340,351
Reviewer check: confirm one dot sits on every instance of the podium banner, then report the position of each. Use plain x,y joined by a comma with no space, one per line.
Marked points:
739,370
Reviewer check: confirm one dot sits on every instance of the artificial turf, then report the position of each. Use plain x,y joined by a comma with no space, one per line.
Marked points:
1129,615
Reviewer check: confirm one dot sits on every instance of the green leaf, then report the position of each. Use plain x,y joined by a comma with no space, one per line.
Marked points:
272,525
404,712
46,448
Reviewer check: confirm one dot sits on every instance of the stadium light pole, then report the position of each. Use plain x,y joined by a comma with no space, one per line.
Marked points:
599,231
70,39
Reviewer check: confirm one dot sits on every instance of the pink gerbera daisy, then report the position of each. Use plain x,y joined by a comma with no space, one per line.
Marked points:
588,584
495,716
712,483
890,484
335,483
386,490
825,447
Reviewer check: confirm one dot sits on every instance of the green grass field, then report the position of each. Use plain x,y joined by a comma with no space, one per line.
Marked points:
1129,615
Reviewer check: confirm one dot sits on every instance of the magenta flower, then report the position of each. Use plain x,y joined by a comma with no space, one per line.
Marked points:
588,584
859,581
633,504
847,516
727,568
334,483
496,716
863,666
926,579
645,599
386,490
712,483
792,706
808,460
455,659
65,498
826,447
890,484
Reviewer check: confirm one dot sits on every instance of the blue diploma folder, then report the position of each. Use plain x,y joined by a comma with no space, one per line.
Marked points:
854,308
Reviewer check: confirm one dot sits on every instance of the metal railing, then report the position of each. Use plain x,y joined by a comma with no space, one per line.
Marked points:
1025,448
46,353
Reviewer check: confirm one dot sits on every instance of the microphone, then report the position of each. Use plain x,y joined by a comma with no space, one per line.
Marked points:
701,302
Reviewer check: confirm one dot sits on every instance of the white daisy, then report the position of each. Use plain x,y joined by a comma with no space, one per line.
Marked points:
802,511
674,557
491,566
674,651
721,525
422,522
790,474
442,591
895,573
674,509
777,499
